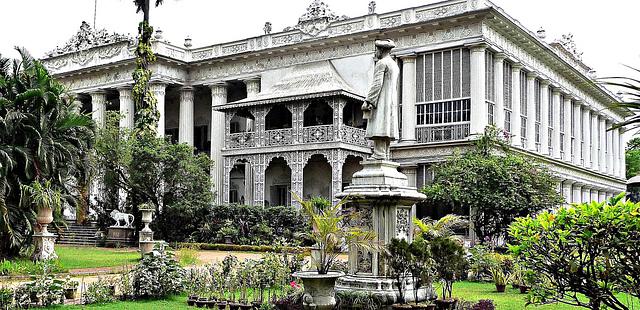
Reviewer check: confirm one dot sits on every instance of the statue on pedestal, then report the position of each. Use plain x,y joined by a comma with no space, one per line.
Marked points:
381,105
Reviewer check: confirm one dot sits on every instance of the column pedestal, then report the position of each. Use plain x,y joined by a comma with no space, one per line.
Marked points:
44,243
386,202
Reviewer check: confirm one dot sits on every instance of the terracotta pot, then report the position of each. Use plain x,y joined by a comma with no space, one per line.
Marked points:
445,304
319,289
69,293
524,289
501,288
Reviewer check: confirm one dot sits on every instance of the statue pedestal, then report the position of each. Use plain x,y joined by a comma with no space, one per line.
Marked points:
118,236
44,243
387,204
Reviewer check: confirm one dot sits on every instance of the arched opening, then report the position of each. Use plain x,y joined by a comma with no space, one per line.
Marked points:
351,165
242,121
278,118
317,114
316,178
352,115
277,183
238,185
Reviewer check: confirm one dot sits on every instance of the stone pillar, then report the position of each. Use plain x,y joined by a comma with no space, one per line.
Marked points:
602,195
567,191
577,146
568,124
610,170
498,69
622,167
253,89
577,193
586,193
99,108
248,183
615,136
586,133
409,98
515,106
531,111
479,118
603,145
185,130
218,132
127,109
159,90
544,117
555,139
595,155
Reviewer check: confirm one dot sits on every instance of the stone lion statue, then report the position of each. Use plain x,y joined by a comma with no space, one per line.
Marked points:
120,216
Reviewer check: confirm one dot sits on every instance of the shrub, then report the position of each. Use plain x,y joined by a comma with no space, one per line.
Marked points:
188,256
45,290
398,257
450,264
100,292
591,249
157,275
28,267
6,297
358,300
484,304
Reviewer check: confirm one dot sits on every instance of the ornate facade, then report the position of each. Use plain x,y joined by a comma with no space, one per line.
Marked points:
280,112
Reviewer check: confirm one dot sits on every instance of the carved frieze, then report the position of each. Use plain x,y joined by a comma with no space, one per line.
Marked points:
87,38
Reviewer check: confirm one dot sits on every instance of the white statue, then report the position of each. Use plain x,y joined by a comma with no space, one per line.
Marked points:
120,216
381,105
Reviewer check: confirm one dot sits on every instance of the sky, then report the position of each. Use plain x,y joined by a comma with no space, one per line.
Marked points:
603,30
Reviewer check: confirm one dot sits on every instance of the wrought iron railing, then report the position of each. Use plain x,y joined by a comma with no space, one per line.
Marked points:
452,132
353,135
241,140
278,137
322,133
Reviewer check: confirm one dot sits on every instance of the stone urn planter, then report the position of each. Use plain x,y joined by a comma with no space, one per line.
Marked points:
319,289
44,241
44,218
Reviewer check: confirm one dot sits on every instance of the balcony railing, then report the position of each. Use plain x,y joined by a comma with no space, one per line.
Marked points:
322,133
278,137
428,134
353,135
241,140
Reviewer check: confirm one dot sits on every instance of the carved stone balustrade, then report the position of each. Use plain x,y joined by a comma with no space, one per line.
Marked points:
241,140
322,133
353,135
278,137
442,133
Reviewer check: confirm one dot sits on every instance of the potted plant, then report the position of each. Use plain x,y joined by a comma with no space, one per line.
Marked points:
70,287
228,231
421,268
500,278
398,257
46,200
329,235
449,262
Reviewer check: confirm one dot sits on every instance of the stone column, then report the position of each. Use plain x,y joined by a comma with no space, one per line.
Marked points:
498,69
595,156
586,133
577,193
253,89
555,139
609,148
567,191
602,195
568,124
479,118
616,151
409,98
544,117
248,182
531,111
99,107
218,131
127,109
586,193
603,145
185,129
622,167
577,146
515,106
159,90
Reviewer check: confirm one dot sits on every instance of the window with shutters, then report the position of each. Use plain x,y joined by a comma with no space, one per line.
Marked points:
523,107
507,89
551,119
562,127
489,87
443,95
573,131
538,108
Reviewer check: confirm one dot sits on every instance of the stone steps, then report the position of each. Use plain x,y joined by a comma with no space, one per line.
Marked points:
76,234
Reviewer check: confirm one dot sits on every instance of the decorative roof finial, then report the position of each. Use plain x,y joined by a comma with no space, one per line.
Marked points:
87,38
372,7
267,28
541,33
158,35
187,42
316,19
569,44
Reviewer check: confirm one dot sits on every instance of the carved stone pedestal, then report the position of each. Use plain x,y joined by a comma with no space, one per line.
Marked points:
120,236
387,205
44,243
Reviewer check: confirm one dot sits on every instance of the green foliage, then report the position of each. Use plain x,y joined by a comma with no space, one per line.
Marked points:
246,225
630,88
101,291
444,227
157,275
27,267
6,297
44,138
492,184
632,158
450,264
358,300
398,258
591,249
329,233
421,265
44,291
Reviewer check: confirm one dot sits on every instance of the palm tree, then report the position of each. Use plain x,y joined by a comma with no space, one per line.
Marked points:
445,227
630,89
43,139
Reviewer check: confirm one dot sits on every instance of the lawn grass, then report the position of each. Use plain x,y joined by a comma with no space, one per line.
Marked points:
91,257
171,303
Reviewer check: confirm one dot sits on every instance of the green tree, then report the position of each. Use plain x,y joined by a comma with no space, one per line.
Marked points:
493,184
632,158
590,250
44,139
630,89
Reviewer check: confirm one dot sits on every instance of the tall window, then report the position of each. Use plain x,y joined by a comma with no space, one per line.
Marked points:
538,108
489,86
562,127
573,131
551,119
507,88
523,107
443,95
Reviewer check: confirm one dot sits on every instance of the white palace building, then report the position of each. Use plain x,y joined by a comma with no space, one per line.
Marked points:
280,112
